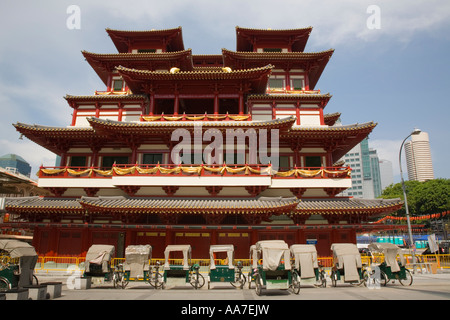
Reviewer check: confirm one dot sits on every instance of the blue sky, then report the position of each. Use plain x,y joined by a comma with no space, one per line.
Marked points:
396,75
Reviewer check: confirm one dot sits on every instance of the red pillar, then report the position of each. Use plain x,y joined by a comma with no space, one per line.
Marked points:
241,102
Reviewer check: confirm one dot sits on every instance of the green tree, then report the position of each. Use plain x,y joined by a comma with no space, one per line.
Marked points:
396,191
432,196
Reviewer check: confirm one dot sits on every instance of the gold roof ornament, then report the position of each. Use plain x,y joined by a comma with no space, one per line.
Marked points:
226,69
174,70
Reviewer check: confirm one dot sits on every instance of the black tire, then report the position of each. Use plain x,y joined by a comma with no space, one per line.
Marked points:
333,279
4,284
258,287
295,283
409,279
156,280
239,281
197,283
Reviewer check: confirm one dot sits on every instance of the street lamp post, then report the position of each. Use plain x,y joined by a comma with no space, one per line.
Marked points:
411,241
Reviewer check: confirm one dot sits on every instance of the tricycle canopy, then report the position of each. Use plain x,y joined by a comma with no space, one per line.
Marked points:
272,252
185,248
390,252
17,249
228,248
305,257
137,259
27,255
346,256
99,254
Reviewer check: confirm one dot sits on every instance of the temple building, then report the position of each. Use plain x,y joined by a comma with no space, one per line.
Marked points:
181,148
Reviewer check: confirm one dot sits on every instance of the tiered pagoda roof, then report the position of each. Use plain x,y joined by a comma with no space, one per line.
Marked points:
170,39
246,38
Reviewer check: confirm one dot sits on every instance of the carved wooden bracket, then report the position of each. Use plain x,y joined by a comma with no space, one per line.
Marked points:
130,190
255,190
91,192
298,192
57,191
332,192
213,190
170,190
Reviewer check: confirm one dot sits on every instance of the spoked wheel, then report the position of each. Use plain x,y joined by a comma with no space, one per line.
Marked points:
323,279
295,283
333,279
4,284
119,281
258,285
156,280
197,280
240,281
408,279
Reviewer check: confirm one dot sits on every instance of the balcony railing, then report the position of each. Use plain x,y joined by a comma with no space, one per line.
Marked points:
196,117
196,170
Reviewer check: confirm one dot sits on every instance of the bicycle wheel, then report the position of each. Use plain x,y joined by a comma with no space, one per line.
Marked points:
408,278
333,278
323,279
156,280
240,281
295,283
4,284
258,285
197,280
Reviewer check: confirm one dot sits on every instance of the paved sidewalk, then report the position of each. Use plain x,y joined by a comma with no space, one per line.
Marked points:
424,287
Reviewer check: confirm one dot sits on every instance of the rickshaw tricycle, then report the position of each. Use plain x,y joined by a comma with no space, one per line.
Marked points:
347,265
98,265
226,271
17,262
137,266
390,268
176,275
307,266
275,270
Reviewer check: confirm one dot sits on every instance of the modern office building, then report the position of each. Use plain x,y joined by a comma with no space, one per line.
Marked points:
418,158
386,173
366,179
15,164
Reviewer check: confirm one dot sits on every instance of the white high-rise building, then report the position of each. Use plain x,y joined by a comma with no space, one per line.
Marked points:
418,158
386,173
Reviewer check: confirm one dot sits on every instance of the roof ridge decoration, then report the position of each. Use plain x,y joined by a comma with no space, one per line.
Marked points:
180,72
137,54
280,54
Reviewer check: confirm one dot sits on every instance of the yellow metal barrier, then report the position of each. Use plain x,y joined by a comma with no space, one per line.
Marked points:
63,263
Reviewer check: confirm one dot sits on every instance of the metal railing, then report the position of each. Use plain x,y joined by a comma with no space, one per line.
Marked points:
46,264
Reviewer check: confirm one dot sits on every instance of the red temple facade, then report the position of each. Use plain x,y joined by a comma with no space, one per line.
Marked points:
119,182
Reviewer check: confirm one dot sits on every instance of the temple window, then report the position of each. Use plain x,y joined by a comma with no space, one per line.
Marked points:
146,51
313,161
284,163
152,158
297,84
78,161
272,50
108,161
276,83
118,85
